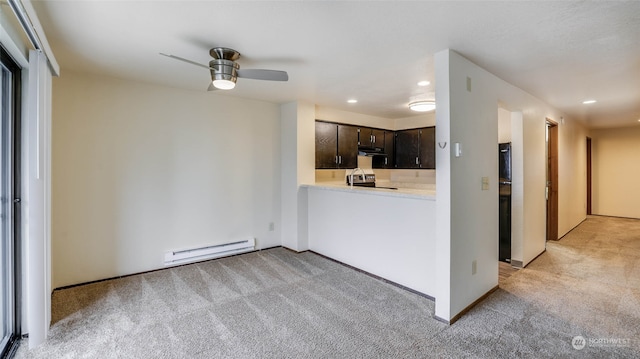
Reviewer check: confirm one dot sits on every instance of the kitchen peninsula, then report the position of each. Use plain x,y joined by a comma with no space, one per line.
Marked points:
388,233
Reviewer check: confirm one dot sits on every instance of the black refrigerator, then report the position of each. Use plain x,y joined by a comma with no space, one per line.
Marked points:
504,208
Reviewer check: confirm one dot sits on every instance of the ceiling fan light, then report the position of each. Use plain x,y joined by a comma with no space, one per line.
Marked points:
224,84
422,106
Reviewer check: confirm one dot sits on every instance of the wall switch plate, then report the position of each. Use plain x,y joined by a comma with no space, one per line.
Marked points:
485,183
468,83
458,149
474,267
272,226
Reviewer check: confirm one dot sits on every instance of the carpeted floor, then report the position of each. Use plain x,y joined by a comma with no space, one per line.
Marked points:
279,304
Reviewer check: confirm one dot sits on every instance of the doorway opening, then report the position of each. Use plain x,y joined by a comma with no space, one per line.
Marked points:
552,179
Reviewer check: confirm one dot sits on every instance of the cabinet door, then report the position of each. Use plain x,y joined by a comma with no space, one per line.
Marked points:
377,138
387,161
428,148
326,145
347,146
389,148
364,137
408,149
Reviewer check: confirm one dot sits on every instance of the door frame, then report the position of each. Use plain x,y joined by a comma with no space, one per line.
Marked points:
13,126
552,179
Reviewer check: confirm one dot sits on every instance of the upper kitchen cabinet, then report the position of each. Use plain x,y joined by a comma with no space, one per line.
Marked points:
388,159
371,138
428,148
415,148
336,145
408,149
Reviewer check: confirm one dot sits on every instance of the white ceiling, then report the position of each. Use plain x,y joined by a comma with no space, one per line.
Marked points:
562,52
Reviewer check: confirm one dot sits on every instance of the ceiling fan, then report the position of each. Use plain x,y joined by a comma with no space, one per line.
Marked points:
225,70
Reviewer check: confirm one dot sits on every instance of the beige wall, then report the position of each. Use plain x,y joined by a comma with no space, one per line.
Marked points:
615,171
139,170
572,175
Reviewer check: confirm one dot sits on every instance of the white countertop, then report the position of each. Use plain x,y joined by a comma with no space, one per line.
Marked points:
418,193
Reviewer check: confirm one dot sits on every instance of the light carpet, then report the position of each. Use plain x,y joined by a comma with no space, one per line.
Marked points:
280,304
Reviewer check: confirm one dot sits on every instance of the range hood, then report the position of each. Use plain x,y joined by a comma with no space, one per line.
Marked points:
370,151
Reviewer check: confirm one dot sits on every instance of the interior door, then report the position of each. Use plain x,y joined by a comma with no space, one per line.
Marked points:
589,183
552,180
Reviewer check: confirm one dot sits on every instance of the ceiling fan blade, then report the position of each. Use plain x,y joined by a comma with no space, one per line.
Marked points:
187,61
269,75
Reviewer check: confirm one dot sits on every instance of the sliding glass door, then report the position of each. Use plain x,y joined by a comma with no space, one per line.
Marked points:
9,201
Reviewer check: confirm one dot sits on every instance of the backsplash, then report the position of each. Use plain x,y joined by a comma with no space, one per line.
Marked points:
388,177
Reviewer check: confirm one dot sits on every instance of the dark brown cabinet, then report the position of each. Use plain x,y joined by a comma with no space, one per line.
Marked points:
371,138
415,148
336,145
408,149
387,161
428,148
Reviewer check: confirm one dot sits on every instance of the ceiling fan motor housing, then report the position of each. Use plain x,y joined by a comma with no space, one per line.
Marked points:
224,53
224,70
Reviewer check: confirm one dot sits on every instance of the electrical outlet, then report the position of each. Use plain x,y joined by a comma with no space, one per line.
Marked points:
272,226
474,267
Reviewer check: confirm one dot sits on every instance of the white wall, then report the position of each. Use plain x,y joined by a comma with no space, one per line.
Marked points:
396,240
615,172
467,215
504,125
139,170
298,167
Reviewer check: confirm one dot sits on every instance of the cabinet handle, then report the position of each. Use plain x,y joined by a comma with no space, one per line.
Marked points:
385,161
340,159
374,139
417,161
337,159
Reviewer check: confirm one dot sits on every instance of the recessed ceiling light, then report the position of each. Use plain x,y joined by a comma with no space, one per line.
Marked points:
424,83
353,100
587,102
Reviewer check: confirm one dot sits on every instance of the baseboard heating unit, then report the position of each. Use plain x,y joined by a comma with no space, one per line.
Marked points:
203,253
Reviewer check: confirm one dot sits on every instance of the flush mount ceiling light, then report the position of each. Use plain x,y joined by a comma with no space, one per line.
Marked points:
424,83
422,106
588,102
352,101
